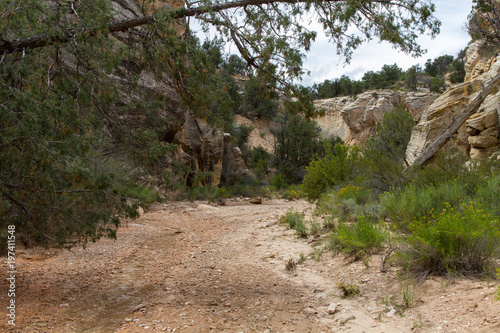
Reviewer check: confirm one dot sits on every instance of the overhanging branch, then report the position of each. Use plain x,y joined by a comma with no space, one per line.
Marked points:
33,42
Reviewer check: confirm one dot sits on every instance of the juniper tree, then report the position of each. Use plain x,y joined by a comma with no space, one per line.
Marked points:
70,99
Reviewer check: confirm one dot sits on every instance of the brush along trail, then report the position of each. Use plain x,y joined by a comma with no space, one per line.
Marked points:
199,267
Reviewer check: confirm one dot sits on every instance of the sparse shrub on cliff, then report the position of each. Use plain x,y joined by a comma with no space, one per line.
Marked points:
260,161
392,134
484,20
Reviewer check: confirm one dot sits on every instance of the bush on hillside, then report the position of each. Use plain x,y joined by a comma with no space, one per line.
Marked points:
392,134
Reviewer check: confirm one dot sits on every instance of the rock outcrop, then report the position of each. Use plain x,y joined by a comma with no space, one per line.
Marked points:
478,137
200,146
354,119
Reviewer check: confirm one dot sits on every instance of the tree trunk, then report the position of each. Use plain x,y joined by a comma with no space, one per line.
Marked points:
447,133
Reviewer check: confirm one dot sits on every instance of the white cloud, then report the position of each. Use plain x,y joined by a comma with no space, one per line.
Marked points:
324,63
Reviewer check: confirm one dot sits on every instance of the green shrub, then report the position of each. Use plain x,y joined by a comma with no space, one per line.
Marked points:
333,169
359,194
278,182
290,194
295,221
297,142
410,203
488,195
143,194
348,289
464,241
392,134
260,161
358,239
347,204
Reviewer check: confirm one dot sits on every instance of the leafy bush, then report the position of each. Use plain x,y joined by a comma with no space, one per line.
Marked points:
260,161
278,182
348,289
464,241
240,134
297,142
458,71
290,194
295,221
392,134
260,98
359,194
333,169
142,193
358,239
407,204
488,194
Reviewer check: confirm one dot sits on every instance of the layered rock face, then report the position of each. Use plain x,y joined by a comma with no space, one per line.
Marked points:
478,137
354,119
200,146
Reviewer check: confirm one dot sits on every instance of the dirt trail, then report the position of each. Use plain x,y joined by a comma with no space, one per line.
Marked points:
193,267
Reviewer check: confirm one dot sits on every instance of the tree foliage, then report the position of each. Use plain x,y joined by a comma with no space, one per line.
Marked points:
297,142
484,20
332,169
75,125
392,134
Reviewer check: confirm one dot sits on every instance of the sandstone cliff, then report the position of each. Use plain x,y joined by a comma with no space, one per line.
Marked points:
354,119
478,137
200,146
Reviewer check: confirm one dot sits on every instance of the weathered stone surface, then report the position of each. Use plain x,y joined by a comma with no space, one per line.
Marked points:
354,119
480,131
483,120
200,146
480,154
486,139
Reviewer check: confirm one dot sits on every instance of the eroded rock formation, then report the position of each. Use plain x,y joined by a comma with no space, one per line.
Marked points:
354,119
478,137
200,146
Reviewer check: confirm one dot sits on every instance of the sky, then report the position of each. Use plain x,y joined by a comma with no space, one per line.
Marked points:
325,64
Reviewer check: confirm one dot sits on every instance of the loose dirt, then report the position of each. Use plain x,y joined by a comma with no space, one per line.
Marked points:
195,267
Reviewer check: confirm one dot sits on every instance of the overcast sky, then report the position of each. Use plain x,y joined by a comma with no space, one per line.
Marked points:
324,63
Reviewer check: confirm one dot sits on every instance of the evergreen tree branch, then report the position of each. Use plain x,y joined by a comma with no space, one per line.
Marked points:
38,41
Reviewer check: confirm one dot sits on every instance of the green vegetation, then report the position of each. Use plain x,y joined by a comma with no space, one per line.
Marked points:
392,134
84,140
463,240
297,142
335,168
359,239
392,77
443,219
484,21
348,289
